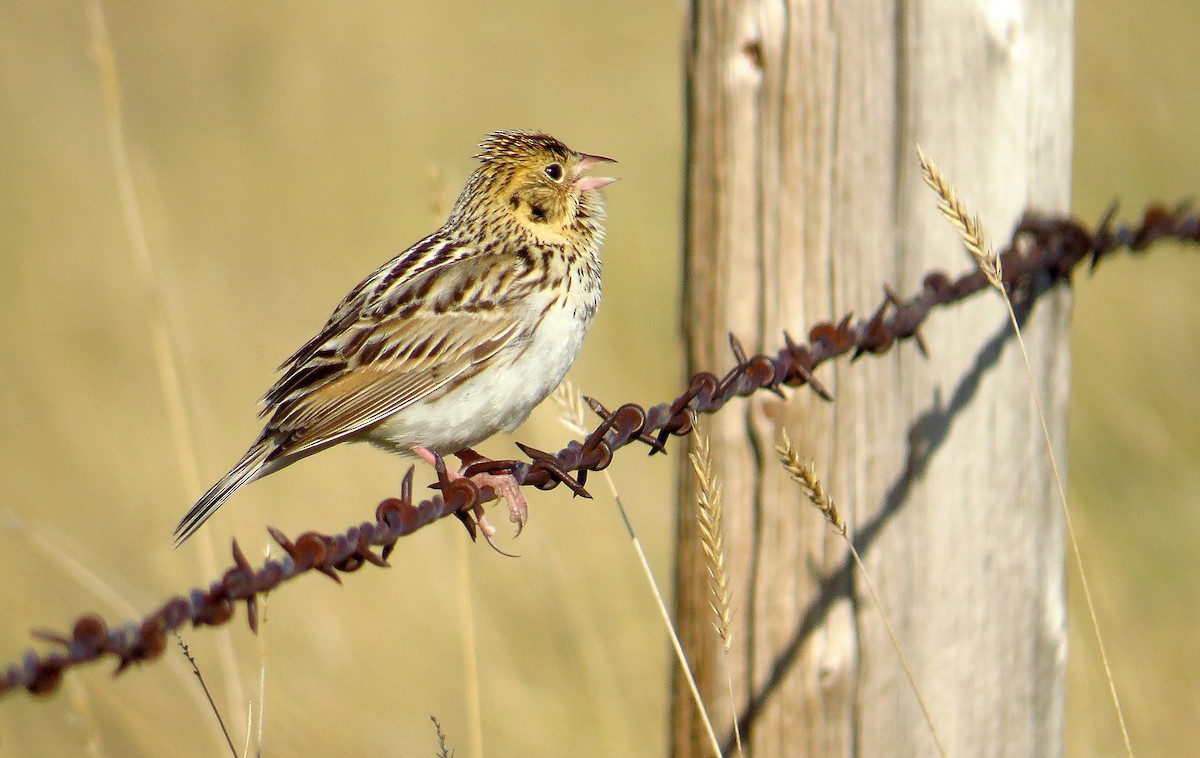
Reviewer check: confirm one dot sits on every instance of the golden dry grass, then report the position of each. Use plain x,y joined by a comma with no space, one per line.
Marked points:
281,151
709,517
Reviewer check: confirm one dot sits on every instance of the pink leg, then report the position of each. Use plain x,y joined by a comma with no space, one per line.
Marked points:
503,485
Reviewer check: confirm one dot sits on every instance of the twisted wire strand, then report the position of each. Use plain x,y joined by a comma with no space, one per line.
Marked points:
1044,250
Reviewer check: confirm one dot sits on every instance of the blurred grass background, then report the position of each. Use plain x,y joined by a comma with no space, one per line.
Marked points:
283,150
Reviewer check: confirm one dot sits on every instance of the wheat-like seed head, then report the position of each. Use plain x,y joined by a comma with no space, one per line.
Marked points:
570,406
805,474
709,517
968,227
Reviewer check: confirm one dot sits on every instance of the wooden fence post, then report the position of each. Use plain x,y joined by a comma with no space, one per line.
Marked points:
803,199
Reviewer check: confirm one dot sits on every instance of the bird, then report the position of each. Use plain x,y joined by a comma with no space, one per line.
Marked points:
454,339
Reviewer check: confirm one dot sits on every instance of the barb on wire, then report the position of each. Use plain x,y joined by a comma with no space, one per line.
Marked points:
1044,250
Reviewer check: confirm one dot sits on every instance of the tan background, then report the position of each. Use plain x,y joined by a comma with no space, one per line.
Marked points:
283,150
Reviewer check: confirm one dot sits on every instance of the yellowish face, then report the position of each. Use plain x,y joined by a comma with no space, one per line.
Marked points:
539,183
544,196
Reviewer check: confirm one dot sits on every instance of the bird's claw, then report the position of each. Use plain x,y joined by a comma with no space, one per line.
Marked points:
503,485
488,531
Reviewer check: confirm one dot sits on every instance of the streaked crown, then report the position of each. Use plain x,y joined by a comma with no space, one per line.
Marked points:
519,146
532,184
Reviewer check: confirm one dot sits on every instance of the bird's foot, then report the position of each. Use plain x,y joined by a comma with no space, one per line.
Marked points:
505,486
502,485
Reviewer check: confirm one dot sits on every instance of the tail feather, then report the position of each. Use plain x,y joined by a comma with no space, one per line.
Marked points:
250,467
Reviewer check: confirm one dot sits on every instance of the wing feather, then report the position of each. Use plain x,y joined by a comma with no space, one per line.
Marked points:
357,399
434,252
396,341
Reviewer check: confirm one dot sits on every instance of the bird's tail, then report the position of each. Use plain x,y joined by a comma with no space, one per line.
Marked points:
247,469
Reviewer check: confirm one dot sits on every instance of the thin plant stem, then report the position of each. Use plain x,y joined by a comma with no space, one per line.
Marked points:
200,678
466,611
989,263
666,616
1071,538
443,751
165,355
804,474
439,206
912,681
258,722
571,404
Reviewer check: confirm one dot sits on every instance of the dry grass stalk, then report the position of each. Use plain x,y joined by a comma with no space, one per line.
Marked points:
466,610
212,704
712,536
571,405
804,474
710,519
443,751
439,206
572,410
165,353
256,721
968,227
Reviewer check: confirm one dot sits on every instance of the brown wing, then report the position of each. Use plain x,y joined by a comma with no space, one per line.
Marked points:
401,340
421,357
434,252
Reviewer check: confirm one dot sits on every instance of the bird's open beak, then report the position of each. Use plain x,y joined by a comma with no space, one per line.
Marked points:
585,183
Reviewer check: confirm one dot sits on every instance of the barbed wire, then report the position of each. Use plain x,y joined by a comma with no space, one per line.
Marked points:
1044,250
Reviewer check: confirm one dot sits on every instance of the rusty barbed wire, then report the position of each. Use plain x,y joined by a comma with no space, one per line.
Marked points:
1043,251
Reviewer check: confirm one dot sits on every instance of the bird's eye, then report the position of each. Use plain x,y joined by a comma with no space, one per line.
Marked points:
555,172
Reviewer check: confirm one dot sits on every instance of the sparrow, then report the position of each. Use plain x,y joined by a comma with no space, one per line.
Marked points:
456,338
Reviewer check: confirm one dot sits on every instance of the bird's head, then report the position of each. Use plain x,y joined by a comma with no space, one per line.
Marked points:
538,182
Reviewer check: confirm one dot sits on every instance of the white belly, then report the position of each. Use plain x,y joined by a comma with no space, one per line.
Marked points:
498,398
